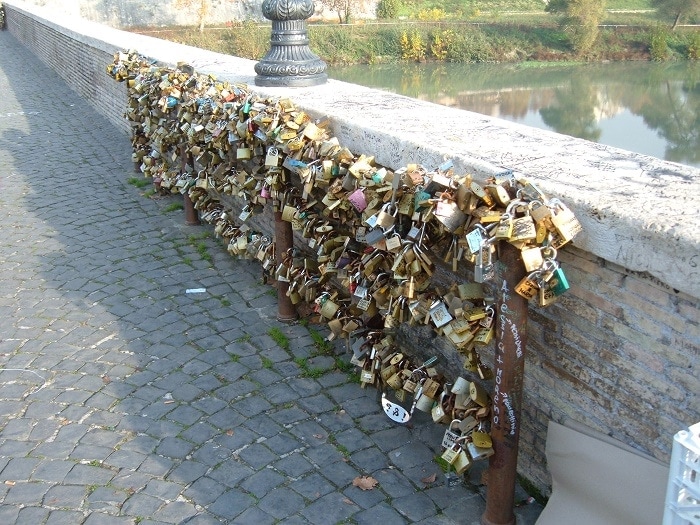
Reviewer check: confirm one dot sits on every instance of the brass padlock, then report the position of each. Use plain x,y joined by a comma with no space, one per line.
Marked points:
528,287
451,434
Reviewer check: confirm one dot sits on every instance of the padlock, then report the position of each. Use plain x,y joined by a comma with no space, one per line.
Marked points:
272,158
386,218
504,230
564,221
450,454
462,463
477,453
528,286
532,258
451,434
245,213
483,336
478,394
439,314
524,229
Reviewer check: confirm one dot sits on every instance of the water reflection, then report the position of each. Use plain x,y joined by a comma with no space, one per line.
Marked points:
644,107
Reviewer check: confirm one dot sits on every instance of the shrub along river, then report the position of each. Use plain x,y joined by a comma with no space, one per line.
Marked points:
645,107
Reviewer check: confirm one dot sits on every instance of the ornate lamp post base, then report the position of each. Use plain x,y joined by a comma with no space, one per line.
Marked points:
289,62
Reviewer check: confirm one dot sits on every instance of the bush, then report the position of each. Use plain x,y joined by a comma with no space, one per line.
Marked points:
388,9
412,46
470,45
658,45
694,47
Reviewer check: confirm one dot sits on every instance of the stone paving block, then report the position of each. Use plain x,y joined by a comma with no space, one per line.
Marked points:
410,454
141,504
59,517
235,390
32,515
283,443
335,421
263,425
199,432
264,377
90,453
256,516
288,415
175,448
231,504
312,486
315,405
46,450
22,493
331,508
125,459
294,465
155,466
365,498
187,471
230,473
279,393
381,513
52,470
107,500
352,439
391,438
185,415
415,507
175,512
323,454
205,490
262,482
19,469
101,518
340,473
257,456
281,502
251,405
369,459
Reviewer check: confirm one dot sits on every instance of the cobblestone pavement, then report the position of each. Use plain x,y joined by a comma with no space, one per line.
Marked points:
124,399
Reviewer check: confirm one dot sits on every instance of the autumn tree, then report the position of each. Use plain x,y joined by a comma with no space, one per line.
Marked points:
677,10
203,8
580,20
344,8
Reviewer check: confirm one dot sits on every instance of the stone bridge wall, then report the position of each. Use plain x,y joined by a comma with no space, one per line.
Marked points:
619,351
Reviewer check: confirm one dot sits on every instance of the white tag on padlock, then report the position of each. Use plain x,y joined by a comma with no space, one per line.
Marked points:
395,412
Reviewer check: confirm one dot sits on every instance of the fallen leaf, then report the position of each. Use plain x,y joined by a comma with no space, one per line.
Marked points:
429,479
364,482
106,380
318,436
10,483
348,501
229,432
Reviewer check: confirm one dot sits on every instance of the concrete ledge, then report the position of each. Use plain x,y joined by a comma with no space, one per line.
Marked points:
637,211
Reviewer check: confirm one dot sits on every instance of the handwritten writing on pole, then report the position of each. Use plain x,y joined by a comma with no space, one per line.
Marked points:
504,412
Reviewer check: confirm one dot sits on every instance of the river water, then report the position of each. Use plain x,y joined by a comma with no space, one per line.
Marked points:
644,107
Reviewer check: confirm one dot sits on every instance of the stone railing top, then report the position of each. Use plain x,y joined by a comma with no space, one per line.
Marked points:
637,211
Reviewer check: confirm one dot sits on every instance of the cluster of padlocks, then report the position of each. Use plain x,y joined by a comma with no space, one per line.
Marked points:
374,237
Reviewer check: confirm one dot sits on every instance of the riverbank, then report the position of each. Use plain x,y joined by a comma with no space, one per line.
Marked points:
525,38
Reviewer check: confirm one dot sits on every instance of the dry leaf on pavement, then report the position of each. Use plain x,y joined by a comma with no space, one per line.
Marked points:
364,482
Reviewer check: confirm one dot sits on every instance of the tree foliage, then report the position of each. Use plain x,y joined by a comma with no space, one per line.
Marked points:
203,8
387,9
580,20
344,8
677,10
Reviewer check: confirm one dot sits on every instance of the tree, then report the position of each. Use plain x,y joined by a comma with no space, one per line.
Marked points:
581,19
203,8
677,10
344,8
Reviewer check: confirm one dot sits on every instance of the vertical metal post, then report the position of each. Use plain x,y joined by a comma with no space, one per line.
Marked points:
284,241
191,215
511,341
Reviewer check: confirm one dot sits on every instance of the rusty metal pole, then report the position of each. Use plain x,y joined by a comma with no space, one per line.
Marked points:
284,241
511,341
191,215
